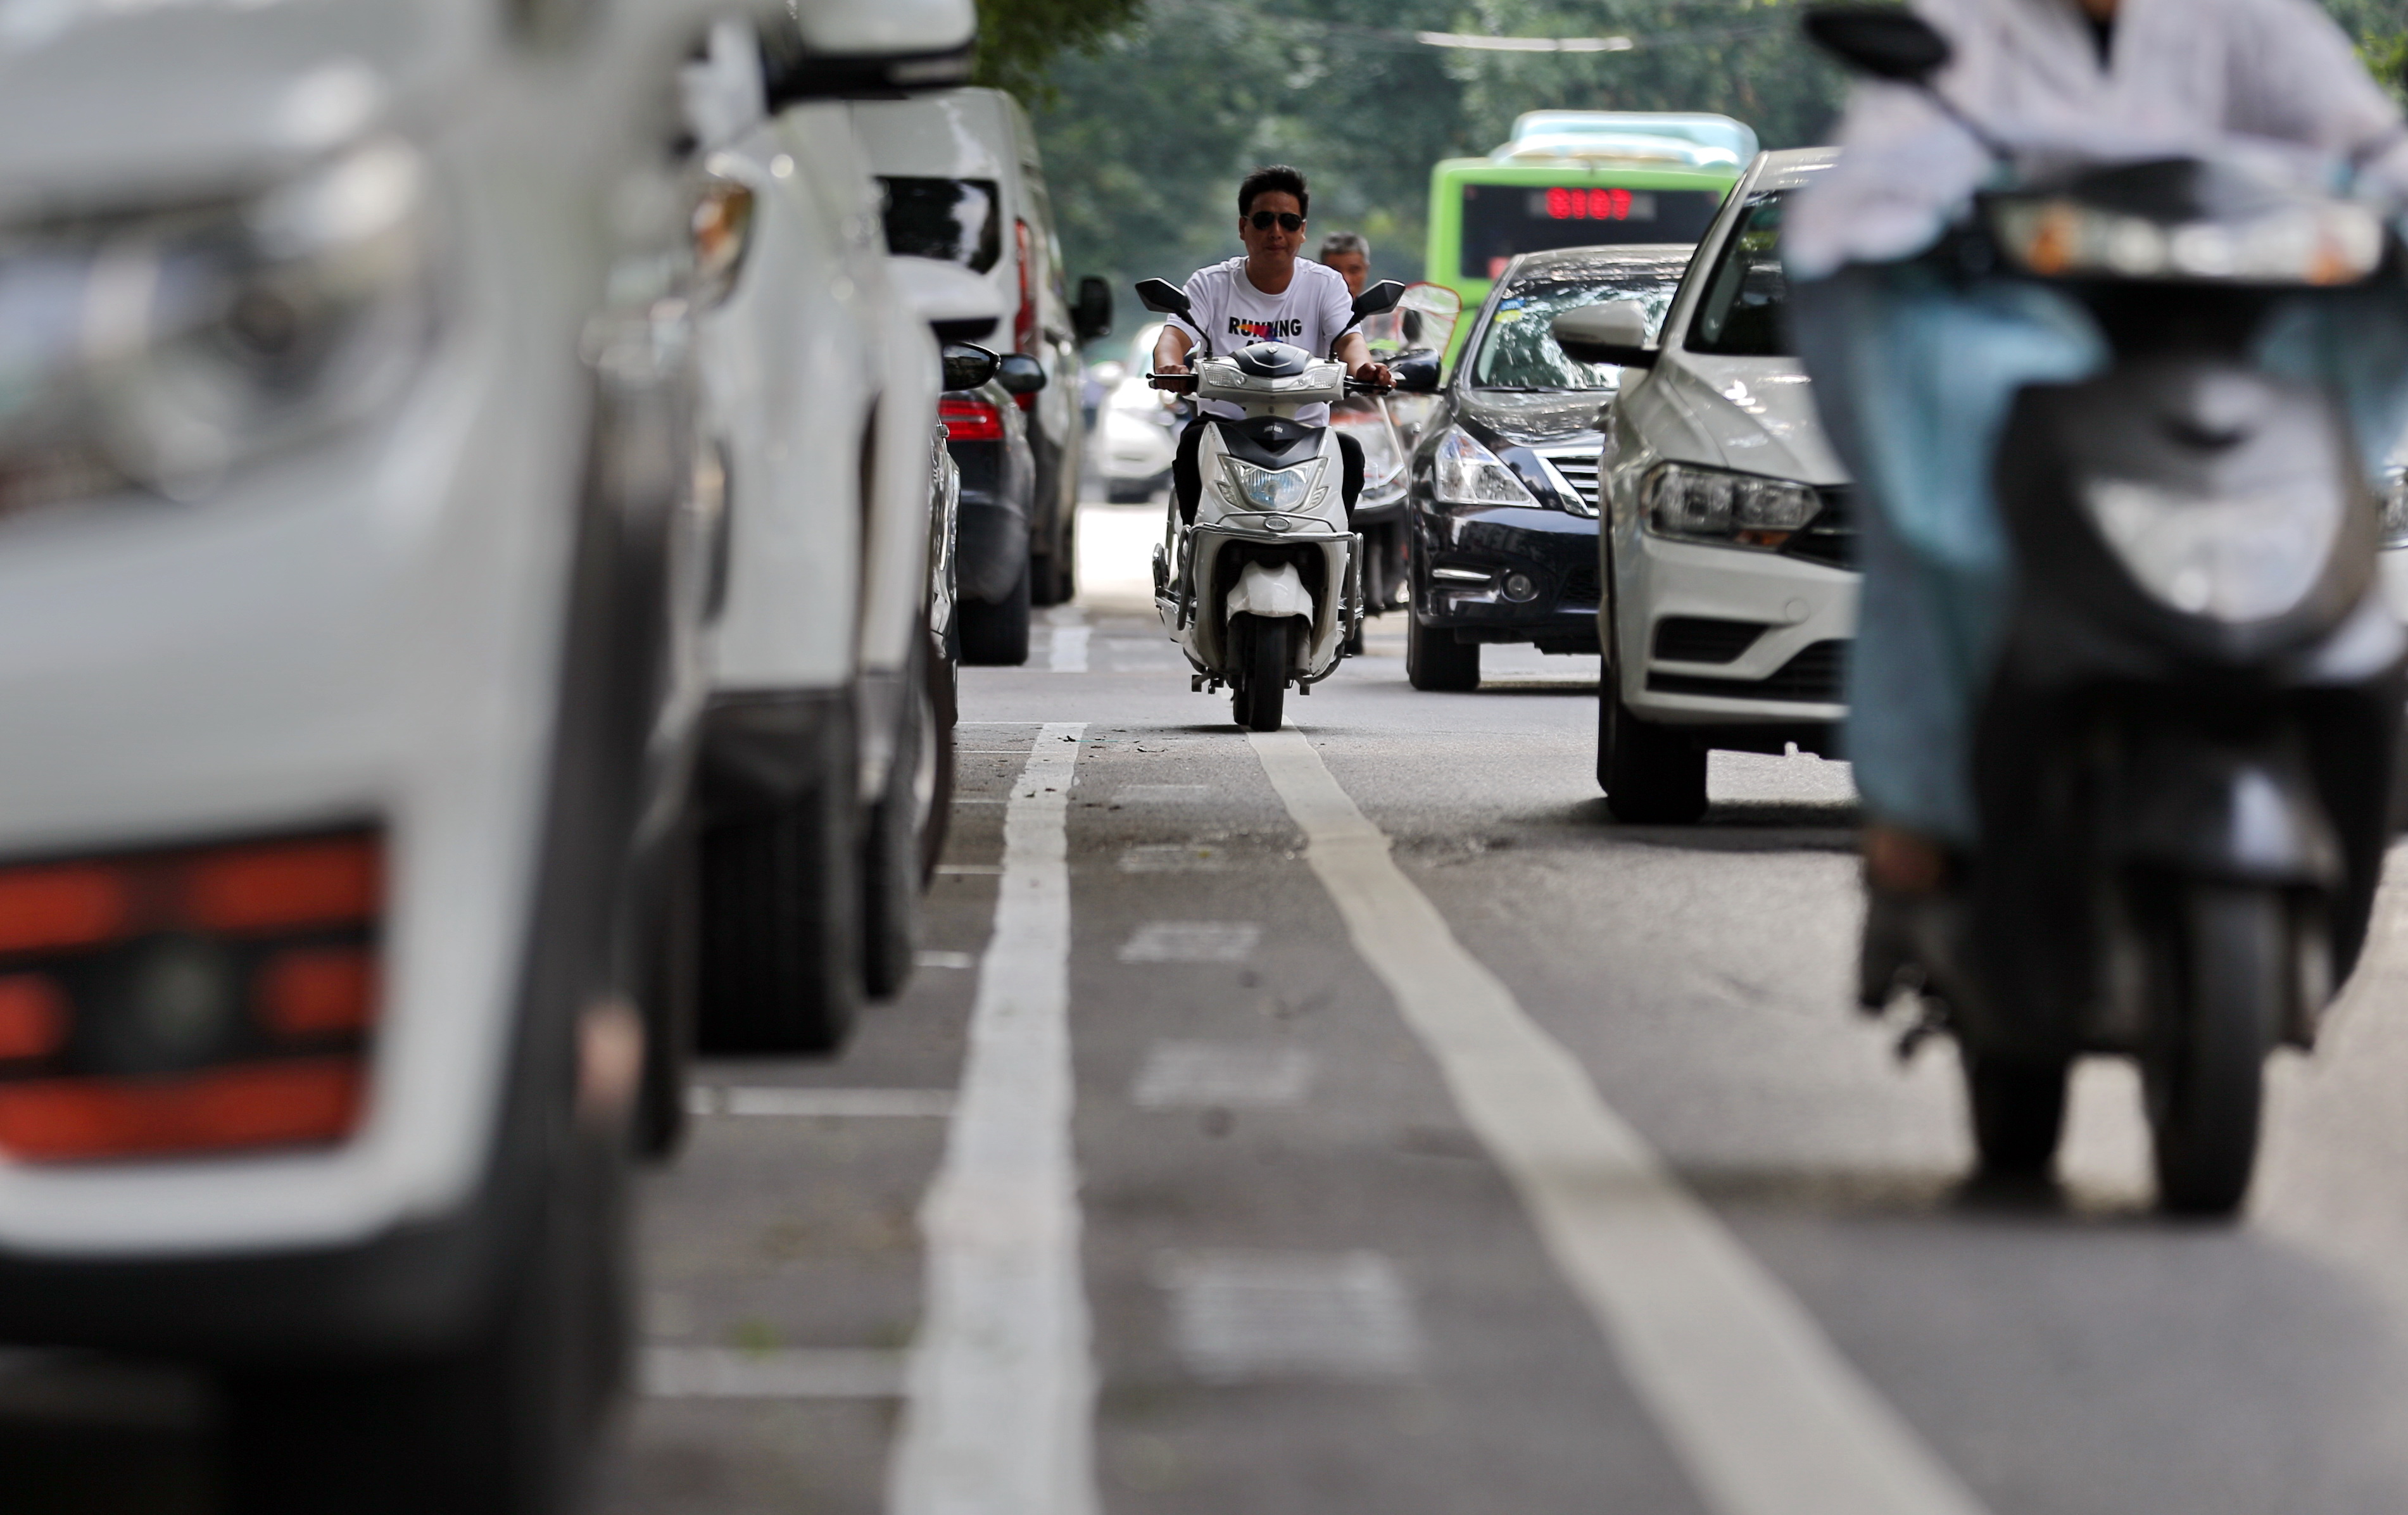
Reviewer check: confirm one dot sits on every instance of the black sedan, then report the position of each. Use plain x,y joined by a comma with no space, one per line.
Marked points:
1502,497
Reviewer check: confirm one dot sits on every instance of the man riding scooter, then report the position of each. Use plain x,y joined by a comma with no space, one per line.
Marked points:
1266,296
1974,357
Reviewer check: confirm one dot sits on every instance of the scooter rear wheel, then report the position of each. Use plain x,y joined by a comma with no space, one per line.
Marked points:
2222,962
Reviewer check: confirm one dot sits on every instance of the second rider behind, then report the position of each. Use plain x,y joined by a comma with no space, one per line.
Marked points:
1266,296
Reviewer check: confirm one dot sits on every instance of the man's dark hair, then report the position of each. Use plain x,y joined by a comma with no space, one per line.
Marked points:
1275,179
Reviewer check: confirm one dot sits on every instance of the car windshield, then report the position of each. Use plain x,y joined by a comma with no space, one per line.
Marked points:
952,220
1745,312
1518,350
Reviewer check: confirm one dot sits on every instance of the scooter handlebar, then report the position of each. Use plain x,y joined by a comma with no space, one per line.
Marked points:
1369,386
1175,384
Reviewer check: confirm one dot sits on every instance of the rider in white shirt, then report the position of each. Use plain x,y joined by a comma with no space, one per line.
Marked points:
1266,296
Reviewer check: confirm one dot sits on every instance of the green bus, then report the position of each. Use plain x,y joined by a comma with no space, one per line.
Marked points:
1572,178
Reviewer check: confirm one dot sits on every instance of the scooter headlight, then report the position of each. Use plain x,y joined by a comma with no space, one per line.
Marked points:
162,351
2237,558
1271,488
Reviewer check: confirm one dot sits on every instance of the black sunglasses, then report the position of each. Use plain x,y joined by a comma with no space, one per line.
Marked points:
1289,221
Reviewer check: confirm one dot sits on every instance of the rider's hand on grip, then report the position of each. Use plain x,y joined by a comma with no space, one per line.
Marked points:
1175,381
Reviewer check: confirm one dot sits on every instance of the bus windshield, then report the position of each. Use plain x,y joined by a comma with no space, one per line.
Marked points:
1745,312
1518,350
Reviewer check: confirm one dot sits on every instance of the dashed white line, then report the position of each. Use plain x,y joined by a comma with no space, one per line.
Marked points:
933,1103
1762,1410
1069,650
1204,1074
998,1415
1192,941
1238,1316
809,1373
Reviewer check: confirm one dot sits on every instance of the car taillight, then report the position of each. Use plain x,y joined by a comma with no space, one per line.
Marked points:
969,421
1023,325
180,1002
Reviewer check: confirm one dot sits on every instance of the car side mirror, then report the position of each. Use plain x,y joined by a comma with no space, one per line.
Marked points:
1162,297
1093,315
1018,374
1612,331
1889,42
1381,296
969,366
1416,373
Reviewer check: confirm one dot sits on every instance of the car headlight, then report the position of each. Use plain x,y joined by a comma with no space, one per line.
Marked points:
2393,502
160,351
1470,474
1713,504
1270,488
2238,558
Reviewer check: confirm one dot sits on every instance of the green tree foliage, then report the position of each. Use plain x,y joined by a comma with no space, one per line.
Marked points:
1147,128
1020,39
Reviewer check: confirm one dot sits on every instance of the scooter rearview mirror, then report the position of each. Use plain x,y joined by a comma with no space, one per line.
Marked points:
1161,296
1018,374
1889,42
1381,296
968,366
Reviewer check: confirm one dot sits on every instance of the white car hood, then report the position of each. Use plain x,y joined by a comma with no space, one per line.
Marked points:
1753,414
103,102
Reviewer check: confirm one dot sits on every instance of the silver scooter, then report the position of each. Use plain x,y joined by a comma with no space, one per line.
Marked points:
1265,587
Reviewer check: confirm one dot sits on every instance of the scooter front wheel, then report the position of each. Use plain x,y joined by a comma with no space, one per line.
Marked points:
2223,965
1261,691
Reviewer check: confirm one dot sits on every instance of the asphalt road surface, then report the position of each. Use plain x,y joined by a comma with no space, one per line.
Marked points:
1356,1119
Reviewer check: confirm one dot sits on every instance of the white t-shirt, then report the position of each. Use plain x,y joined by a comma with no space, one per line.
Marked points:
1313,313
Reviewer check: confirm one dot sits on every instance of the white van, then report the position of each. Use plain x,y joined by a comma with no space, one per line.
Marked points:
964,183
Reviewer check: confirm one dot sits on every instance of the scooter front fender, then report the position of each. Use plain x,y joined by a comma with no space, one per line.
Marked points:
2228,814
1270,591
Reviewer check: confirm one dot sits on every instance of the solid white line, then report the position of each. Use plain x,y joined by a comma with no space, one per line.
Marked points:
1761,1408
998,1415
927,1104
808,1373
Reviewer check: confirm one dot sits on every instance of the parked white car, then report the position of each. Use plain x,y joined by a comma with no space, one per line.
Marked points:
1727,549
1139,433
964,183
348,573
820,381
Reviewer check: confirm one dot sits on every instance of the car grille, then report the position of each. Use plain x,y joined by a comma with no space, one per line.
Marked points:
1818,676
1830,537
1580,586
1579,469
1698,640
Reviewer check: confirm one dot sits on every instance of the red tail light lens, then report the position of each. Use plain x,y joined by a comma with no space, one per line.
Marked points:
969,421
196,1000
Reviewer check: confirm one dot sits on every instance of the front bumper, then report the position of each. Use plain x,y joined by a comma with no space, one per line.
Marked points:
1555,550
1709,635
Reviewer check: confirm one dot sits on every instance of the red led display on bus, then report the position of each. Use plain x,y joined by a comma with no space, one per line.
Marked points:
1588,204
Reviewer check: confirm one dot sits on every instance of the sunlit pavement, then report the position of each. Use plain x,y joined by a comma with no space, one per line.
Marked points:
1337,1235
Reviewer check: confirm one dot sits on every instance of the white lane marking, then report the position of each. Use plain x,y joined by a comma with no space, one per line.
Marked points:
1159,794
933,959
971,870
1069,654
1205,1075
934,1104
998,1419
1237,1316
1759,1405
1192,941
809,1373
1170,857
